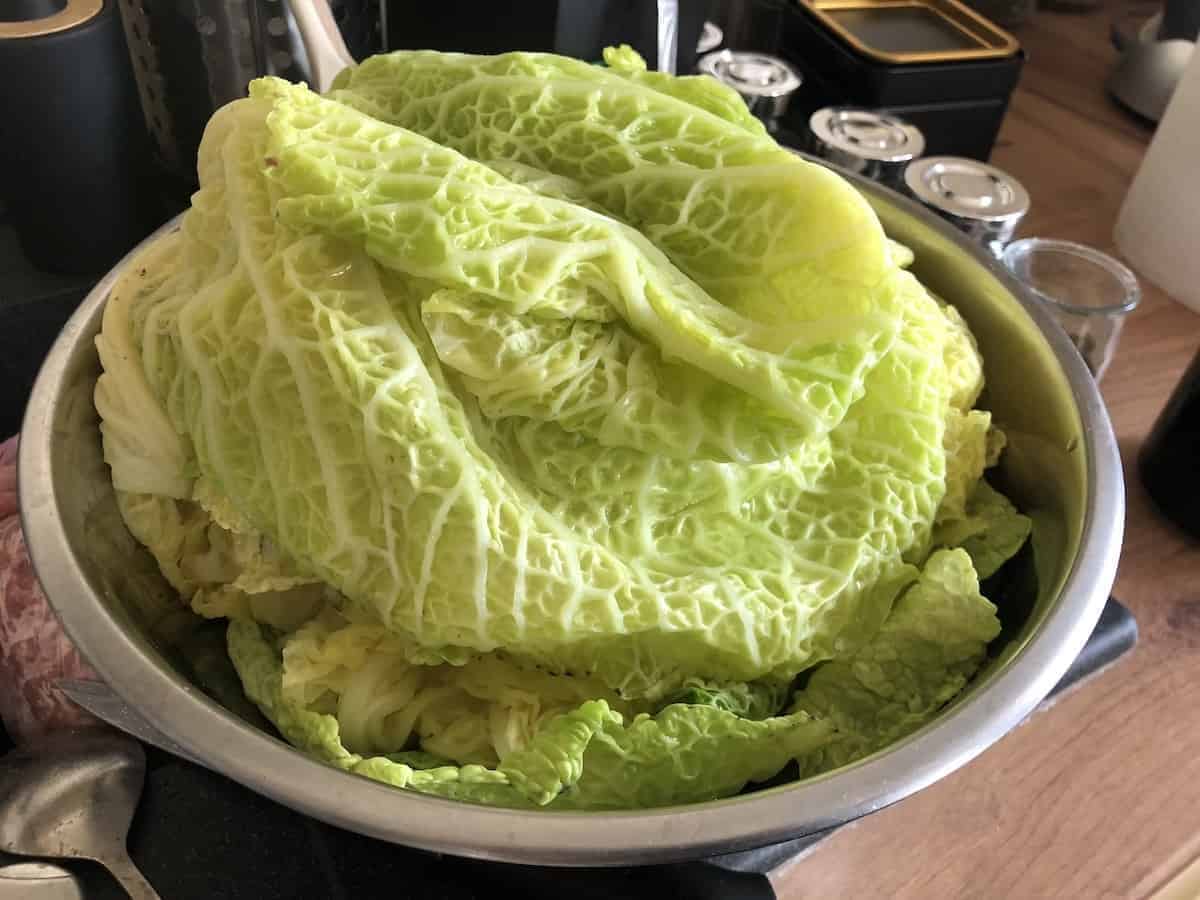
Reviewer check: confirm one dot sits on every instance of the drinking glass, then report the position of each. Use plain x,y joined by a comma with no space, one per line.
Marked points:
1089,292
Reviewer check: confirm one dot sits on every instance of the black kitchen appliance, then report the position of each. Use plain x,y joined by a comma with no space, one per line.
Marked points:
578,28
74,156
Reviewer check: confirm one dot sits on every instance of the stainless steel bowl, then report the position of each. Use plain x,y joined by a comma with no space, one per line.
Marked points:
1062,466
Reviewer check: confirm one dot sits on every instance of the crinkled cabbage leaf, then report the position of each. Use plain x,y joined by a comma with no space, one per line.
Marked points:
588,757
990,530
535,425
933,641
773,237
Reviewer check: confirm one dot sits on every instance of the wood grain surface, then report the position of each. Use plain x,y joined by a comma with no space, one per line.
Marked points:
1098,797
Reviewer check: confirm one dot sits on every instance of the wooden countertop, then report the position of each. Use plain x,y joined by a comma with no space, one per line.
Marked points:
1098,797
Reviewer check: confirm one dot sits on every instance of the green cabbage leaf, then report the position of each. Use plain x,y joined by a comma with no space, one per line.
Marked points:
584,758
933,641
536,425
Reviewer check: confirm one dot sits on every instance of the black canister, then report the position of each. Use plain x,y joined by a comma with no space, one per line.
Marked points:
1169,464
74,157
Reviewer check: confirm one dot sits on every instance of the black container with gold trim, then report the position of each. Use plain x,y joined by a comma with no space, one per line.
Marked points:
913,31
74,173
935,63
957,94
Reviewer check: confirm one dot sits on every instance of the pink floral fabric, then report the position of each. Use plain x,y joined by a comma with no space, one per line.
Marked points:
34,650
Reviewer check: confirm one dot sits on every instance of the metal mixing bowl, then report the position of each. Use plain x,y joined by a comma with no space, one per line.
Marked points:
1062,467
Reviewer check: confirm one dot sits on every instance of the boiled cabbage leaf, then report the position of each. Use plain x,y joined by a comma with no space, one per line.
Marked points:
387,693
933,641
343,435
780,240
701,91
990,530
141,446
586,758
536,424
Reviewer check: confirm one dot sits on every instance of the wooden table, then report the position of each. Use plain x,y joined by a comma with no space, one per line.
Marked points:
1098,797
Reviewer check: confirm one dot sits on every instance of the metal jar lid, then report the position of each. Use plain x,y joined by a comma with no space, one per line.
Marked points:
871,143
765,82
978,198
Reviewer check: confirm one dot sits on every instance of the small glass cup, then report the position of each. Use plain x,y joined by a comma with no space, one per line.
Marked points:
1089,292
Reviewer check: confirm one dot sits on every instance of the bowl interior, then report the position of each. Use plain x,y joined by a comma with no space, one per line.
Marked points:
109,592
1044,468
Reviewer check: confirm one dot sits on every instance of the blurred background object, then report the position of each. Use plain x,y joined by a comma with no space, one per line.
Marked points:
1008,13
1158,229
1167,463
578,28
74,155
105,102
1154,56
191,58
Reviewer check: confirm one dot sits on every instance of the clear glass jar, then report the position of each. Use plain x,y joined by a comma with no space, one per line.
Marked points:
1089,292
